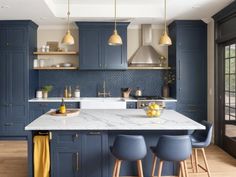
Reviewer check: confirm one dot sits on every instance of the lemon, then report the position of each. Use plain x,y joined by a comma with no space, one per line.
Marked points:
158,113
156,106
154,112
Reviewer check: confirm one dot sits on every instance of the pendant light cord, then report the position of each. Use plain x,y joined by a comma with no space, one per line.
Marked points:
115,14
165,15
68,15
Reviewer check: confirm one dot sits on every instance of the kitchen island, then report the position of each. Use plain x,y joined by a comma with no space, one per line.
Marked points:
80,144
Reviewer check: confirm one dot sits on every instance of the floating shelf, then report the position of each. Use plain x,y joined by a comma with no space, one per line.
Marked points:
148,68
55,68
56,53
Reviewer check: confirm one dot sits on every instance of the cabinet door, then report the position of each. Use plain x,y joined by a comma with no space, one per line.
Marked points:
16,37
94,146
66,162
3,38
3,88
90,55
17,88
115,57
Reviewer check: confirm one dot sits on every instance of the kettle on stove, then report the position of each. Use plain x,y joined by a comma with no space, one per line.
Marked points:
138,92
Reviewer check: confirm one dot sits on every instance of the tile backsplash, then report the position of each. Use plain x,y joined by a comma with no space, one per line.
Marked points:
90,82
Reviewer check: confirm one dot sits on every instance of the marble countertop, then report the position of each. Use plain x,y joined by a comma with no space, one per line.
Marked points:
58,99
126,119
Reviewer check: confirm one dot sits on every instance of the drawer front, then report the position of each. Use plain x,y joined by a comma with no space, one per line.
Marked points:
66,138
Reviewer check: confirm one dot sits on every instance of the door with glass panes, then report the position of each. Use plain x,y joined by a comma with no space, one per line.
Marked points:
229,118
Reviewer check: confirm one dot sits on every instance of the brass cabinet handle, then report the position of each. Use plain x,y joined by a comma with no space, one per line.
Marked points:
77,161
94,133
76,136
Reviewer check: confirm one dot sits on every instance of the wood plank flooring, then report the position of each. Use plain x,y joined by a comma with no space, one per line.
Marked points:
13,161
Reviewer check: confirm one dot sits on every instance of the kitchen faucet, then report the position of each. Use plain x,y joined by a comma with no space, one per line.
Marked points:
104,93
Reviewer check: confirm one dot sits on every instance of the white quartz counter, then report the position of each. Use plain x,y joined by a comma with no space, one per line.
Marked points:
129,119
58,99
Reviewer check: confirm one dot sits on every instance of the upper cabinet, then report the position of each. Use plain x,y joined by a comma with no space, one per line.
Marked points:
95,53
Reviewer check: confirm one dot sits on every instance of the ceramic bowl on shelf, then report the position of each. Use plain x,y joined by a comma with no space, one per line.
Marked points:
66,65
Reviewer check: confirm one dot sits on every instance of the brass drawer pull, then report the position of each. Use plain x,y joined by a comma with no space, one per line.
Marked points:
77,161
94,133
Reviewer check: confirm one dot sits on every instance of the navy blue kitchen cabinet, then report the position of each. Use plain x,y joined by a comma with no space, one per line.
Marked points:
76,153
18,41
188,60
95,53
39,108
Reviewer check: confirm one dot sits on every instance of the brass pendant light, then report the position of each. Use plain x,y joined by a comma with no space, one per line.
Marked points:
68,39
115,39
165,39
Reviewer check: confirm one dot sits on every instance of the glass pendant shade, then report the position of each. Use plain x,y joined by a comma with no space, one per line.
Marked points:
115,39
68,39
165,40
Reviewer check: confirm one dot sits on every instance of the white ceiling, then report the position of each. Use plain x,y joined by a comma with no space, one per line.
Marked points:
53,12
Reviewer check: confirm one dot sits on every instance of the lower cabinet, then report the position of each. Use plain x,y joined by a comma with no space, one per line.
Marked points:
76,153
66,162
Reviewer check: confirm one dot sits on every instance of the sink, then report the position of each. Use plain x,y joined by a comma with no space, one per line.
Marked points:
102,103
102,99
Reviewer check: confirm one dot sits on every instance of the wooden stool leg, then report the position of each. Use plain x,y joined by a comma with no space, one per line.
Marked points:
186,168
115,169
196,160
160,168
140,168
205,161
154,165
192,164
182,169
118,168
180,175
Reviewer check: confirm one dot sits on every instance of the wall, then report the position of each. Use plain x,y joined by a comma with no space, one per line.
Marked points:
90,82
211,71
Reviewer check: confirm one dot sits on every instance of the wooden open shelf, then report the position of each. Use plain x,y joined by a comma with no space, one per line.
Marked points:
55,68
56,53
149,68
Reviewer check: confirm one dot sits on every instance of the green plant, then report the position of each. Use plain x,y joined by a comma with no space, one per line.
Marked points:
47,88
169,77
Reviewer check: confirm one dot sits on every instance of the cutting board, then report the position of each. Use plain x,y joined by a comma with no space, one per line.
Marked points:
69,112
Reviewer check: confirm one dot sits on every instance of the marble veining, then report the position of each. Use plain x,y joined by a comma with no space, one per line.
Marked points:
128,119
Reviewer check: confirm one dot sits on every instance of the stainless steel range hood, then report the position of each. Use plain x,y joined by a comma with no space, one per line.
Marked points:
146,55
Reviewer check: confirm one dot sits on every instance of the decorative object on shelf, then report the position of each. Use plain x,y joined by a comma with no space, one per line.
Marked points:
39,94
53,46
163,61
36,63
77,92
165,39
169,78
66,92
153,110
115,39
68,39
46,89
41,63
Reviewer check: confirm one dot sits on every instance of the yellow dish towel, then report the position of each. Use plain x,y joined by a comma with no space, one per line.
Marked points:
41,156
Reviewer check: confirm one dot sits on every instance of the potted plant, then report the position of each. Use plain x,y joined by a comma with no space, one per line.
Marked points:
46,89
169,78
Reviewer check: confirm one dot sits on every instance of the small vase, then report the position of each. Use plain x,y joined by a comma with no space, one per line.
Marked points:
166,91
45,94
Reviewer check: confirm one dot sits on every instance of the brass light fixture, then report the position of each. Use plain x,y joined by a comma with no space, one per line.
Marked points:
68,39
165,39
115,39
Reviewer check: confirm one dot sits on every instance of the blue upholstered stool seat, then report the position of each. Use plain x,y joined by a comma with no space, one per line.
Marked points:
130,148
172,148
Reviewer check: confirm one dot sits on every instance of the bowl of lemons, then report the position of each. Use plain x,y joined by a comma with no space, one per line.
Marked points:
153,110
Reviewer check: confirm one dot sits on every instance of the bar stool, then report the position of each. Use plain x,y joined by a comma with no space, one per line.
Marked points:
172,148
200,140
129,148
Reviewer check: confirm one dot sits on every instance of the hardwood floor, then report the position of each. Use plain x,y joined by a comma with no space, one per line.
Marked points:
13,161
